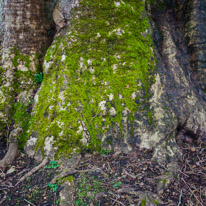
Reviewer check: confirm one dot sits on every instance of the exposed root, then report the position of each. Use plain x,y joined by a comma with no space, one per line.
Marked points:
13,148
43,163
70,171
10,155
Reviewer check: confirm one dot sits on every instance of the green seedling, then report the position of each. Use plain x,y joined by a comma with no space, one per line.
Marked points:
39,78
143,203
156,202
52,165
53,187
117,185
31,102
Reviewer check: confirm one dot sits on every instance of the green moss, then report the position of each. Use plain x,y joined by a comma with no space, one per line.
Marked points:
15,99
1,75
21,117
18,57
105,53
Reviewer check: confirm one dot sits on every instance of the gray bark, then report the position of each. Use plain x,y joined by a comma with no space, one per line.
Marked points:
25,35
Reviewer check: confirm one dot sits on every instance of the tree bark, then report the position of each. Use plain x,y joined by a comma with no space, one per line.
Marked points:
169,110
24,38
119,75
172,109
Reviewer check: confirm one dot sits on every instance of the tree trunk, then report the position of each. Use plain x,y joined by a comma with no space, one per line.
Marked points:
100,97
25,37
119,75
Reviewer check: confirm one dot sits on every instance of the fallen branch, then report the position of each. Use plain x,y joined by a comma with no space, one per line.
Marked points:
43,163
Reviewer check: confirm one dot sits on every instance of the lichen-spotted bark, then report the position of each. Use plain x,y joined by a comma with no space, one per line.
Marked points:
86,84
179,109
195,33
25,35
97,79
96,75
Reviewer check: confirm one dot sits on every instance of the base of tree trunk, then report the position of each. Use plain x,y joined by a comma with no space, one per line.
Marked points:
10,155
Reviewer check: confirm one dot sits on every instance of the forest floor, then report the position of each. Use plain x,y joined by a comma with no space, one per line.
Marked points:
115,181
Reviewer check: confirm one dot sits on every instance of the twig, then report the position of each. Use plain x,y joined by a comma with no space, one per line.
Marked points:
3,199
183,173
109,166
9,184
43,163
24,170
29,202
190,76
180,198
201,194
132,176
117,201
119,178
129,191
192,192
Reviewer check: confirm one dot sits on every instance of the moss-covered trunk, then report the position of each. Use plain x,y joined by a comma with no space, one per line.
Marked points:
117,79
119,75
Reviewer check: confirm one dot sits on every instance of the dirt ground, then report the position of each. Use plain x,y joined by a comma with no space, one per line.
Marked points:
114,180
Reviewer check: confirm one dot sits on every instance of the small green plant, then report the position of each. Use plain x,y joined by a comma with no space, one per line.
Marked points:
53,187
52,165
39,78
87,189
34,193
143,203
117,185
164,182
57,201
31,102
156,202
69,178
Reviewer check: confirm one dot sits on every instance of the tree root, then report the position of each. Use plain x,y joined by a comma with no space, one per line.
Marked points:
13,148
70,171
10,155
43,163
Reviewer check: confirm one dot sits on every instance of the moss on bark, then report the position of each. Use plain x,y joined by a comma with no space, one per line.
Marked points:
103,65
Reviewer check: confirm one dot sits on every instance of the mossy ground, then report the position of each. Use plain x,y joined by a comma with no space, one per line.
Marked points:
103,60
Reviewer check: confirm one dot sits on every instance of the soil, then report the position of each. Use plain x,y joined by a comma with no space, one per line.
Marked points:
116,180
34,190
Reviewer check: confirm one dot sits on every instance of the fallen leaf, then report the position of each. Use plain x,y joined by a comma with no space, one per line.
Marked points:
192,149
11,170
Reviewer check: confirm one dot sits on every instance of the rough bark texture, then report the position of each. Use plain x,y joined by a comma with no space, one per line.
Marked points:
98,89
25,35
175,109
